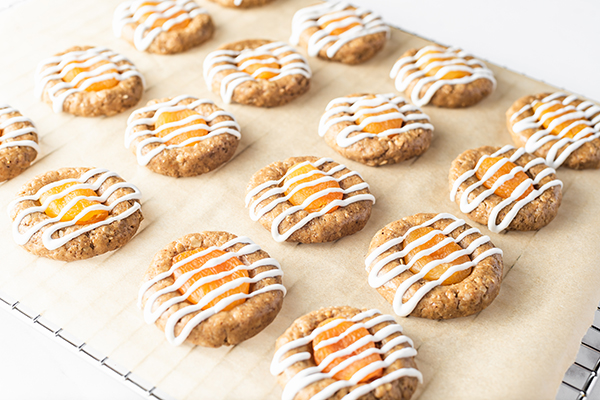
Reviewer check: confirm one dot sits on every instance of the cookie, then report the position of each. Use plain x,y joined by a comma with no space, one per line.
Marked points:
75,213
505,188
337,31
18,142
309,200
434,266
259,73
241,3
345,352
182,136
211,289
563,129
163,26
375,129
444,77
89,82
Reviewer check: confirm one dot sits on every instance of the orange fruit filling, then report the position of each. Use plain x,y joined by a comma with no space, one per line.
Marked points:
168,117
94,87
346,373
571,133
56,206
434,70
301,195
203,290
506,189
252,68
160,21
439,254
378,127
339,31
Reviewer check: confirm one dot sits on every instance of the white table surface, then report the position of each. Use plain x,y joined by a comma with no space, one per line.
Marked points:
551,40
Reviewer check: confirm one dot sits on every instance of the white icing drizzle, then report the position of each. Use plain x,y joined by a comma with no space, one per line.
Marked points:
453,56
53,225
56,68
276,190
376,280
586,109
5,141
367,320
316,16
152,312
467,207
381,103
225,127
130,12
291,64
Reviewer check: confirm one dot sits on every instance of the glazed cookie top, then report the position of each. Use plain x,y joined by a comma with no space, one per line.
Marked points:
334,24
16,130
253,60
67,203
85,69
174,124
151,18
512,175
435,66
426,256
343,347
562,122
201,275
370,116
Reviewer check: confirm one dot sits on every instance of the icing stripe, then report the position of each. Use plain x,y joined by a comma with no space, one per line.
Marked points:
454,56
6,138
225,127
130,12
367,320
543,135
316,16
291,64
275,190
59,66
54,224
377,280
382,102
152,312
467,207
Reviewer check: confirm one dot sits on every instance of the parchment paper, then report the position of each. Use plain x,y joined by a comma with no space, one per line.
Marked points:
518,348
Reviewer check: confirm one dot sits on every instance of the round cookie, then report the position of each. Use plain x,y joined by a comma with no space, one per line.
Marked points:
75,213
388,372
180,295
18,142
242,3
160,136
436,285
337,31
282,198
444,77
375,129
89,82
256,72
163,26
505,188
561,128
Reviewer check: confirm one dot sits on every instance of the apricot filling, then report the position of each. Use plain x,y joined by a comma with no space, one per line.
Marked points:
160,21
560,111
320,353
301,195
175,116
203,290
439,254
56,206
251,68
434,70
507,188
340,30
96,86
378,127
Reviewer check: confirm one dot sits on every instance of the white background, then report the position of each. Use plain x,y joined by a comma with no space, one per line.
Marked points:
551,40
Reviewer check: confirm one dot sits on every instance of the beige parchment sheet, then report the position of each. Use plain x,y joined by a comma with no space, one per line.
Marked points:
518,348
